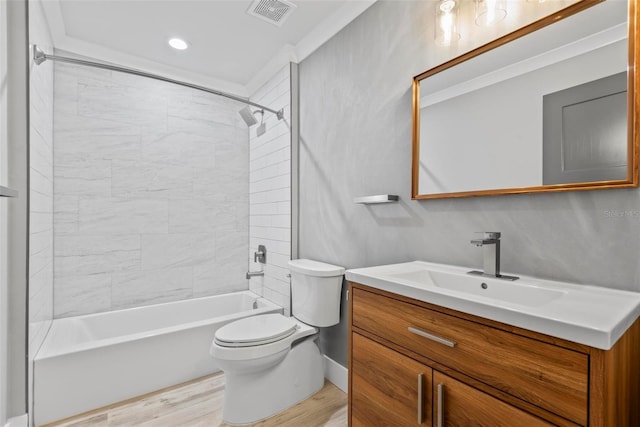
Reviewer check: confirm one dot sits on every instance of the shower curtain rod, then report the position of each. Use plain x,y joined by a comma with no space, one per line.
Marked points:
39,57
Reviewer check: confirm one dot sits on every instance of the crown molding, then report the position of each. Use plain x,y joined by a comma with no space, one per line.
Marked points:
316,38
286,55
104,54
331,26
76,46
312,41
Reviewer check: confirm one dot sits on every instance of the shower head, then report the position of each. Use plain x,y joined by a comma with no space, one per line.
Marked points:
247,116
261,130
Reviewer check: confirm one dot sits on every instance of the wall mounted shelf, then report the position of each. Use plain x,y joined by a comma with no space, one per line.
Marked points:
380,198
7,192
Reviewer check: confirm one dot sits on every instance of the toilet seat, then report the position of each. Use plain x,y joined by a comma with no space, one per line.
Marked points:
255,330
255,351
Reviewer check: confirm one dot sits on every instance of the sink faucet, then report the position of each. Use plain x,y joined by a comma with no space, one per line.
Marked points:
490,244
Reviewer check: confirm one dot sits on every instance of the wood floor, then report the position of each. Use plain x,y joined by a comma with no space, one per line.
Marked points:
199,404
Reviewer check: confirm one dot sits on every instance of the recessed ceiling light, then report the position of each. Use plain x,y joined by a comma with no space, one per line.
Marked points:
178,44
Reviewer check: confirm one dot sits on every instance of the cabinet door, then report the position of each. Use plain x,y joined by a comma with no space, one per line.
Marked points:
387,388
457,404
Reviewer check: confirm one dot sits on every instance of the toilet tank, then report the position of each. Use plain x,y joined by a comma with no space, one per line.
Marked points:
315,292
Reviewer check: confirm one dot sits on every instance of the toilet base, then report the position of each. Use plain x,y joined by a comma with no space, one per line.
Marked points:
253,396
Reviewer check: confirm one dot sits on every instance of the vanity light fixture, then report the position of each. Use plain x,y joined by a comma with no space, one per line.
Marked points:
489,12
446,22
178,44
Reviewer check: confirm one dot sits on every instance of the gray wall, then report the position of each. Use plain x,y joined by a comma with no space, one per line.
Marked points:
355,124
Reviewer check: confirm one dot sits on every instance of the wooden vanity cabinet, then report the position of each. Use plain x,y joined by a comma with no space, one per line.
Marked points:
388,386
413,363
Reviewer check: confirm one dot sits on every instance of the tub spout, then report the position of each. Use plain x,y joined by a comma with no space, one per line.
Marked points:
251,274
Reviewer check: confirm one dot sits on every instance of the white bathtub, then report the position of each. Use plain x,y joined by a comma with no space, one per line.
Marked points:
91,361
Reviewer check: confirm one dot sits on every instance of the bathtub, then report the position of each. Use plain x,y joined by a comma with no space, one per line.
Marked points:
91,361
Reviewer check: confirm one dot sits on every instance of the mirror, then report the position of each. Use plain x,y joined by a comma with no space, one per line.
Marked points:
548,107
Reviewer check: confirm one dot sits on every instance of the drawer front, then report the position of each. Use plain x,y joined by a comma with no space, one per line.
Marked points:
458,404
545,375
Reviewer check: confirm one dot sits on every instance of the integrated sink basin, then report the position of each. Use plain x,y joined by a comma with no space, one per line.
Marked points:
511,292
585,314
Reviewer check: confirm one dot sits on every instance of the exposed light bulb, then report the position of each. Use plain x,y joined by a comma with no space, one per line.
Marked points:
446,23
447,6
488,12
178,44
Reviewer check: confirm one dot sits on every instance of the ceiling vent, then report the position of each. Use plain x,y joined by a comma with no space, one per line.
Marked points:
273,11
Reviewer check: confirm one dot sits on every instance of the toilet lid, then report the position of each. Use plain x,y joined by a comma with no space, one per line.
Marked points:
255,330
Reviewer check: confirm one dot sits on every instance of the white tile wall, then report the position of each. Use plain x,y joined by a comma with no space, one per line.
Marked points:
270,192
41,185
151,192
41,176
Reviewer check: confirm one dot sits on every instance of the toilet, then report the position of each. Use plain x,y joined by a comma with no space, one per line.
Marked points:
271,362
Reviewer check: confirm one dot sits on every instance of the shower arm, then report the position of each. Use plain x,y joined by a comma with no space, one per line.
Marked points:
39,57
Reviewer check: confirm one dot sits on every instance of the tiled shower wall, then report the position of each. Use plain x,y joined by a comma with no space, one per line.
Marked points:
270,191
151,192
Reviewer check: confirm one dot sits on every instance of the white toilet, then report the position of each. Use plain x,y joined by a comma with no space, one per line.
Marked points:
271,362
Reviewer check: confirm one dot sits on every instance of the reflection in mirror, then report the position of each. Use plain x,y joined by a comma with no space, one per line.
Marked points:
545,112
584,132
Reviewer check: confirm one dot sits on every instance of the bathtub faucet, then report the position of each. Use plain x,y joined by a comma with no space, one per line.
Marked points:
251,274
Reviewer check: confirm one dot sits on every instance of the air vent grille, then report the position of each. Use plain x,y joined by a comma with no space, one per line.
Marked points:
272,11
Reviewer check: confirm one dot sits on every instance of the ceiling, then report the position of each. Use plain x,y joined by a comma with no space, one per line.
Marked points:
229,49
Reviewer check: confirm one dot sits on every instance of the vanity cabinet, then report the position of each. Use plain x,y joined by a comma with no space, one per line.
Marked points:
414,363
388,386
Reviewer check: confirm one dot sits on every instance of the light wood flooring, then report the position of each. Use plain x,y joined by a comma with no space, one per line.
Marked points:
198,403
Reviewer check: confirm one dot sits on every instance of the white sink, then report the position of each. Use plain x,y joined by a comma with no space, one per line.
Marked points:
585,314
513,292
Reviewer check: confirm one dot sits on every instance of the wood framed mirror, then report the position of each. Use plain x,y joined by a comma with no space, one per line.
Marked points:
551,106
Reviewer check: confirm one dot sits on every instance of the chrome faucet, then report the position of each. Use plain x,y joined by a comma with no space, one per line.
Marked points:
260,255
490,243
251,274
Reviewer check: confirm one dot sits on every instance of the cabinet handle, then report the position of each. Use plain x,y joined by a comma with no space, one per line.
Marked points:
440,419
432,337
420,399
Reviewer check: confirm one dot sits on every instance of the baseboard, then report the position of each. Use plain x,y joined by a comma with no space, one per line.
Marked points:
336,373
21,421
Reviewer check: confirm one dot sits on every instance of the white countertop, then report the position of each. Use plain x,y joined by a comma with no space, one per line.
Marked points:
584,314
